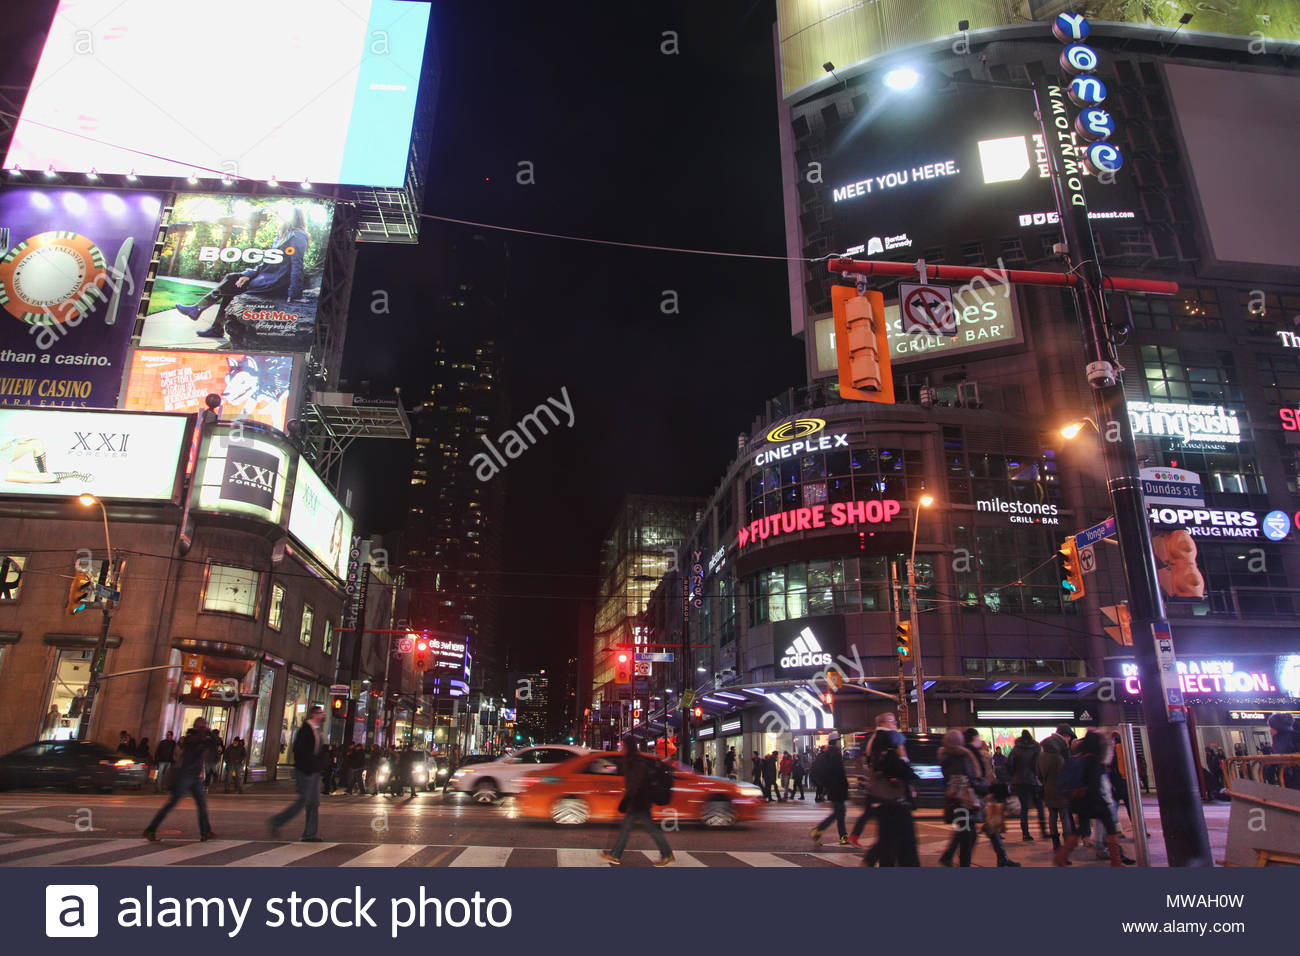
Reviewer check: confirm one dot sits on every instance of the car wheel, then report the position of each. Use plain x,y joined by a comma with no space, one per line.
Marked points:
485,791
718,813
570,811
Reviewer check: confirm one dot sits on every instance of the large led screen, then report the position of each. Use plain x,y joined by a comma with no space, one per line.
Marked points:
242,472
72,267
318,520
292,89
239,273
67,452
921,172
1242,139
252,387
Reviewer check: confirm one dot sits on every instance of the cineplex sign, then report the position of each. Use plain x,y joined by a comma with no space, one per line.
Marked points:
842,514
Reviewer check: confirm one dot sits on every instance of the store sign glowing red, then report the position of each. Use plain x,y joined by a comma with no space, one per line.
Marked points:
1207,677
841,514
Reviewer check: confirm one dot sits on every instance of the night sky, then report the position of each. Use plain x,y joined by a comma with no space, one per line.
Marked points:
627,143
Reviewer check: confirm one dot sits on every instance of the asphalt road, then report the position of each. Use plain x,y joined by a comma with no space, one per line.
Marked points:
44,829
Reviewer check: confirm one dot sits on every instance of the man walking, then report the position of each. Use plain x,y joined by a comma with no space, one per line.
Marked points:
309,756
829,775
196,752
636,803
163,759
889,779
236,754
1054,754
729,764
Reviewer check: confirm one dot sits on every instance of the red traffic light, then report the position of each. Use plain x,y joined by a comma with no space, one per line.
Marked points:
422,645
698,712
622,657
830,699
338,703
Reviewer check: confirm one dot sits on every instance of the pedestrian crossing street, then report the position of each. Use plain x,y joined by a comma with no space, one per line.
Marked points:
61,851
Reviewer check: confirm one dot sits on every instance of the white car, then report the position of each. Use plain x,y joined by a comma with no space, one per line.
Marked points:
486,782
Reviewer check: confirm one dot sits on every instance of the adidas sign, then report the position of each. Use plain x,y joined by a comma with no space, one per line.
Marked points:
805,652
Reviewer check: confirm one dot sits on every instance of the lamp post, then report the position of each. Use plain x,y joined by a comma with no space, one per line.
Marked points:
1173,765
924,501
97,662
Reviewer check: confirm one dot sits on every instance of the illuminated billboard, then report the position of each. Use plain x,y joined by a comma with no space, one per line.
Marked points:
72,266
318,520
292,89
241,471
239,273
959,164
813,32
66,452
252,387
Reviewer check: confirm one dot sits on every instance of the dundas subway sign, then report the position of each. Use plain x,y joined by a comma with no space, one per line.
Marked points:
842,514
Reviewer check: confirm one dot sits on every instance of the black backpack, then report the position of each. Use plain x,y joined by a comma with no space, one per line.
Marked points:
659,783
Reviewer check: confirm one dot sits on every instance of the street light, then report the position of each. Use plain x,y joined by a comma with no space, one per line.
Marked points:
1072,429
97,662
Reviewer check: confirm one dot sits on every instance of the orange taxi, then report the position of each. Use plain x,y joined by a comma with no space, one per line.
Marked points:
588,789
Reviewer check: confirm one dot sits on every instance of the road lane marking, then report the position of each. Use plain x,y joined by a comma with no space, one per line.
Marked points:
759,859
182,853
386,854
579,858
483,856
75,854
280,855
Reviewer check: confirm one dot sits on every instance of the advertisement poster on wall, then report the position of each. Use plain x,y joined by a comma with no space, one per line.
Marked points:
65,452
318,520
252,387
242,472
72,267
239,272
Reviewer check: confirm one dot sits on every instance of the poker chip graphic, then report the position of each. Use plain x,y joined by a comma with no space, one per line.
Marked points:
51,277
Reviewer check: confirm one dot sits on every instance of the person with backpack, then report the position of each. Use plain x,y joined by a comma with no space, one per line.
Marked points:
961,797
646,783
1053,755
1086,782
1022,773
889,797
829,775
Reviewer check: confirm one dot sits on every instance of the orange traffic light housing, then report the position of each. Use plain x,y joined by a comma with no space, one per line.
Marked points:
862,345
81,594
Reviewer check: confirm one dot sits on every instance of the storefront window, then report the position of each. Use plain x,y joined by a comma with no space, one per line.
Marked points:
67,694
297,694
261,717
231,589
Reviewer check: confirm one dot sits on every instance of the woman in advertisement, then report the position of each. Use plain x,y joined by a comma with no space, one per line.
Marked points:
11,452
277,276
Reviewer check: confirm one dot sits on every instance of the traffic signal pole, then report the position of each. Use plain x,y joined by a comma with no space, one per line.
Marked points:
97,662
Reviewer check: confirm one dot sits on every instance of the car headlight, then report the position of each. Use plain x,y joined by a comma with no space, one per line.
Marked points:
749,788
442,773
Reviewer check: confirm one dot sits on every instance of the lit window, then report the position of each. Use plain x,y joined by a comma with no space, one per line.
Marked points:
328,644
275,612
230,589
304,632
13,571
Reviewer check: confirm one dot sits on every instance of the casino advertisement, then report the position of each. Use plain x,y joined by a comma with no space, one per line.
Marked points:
72,268
239,272
252,387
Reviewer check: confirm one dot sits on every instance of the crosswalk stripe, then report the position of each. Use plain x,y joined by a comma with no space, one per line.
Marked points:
839,859
483,856
30,843
579,858
182,853
682,858
76,853
760,859
47,823
387,854
280,855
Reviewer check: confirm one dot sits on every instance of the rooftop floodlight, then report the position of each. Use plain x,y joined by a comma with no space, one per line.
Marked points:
902,79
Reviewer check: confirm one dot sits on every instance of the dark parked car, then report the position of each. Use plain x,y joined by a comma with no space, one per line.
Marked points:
77,765
922,751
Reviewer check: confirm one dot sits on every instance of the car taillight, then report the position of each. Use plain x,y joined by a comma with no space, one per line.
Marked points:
527,782
124,763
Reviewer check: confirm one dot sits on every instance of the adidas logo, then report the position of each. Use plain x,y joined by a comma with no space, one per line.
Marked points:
805,652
